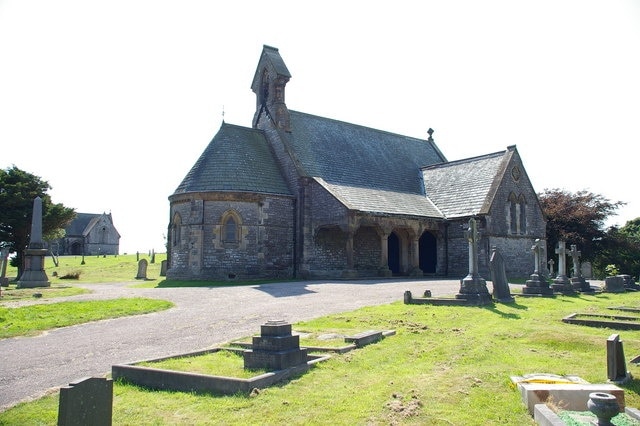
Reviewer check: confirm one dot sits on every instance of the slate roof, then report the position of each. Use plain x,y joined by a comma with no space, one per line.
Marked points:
83,223
367,169
238,159
464,187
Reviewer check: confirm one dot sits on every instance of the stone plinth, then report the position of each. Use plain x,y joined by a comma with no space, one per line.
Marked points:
562,284
34,274
275,349
537,285
614,284
473,289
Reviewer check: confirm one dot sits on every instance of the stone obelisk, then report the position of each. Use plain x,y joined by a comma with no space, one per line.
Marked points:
33,274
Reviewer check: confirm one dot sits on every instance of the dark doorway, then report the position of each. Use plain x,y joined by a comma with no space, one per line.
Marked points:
393,247
428,253
76,248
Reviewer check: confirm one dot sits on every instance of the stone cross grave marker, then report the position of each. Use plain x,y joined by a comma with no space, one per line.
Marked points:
86,402
473,287
561,283
142,269
551,263
536,284
575,256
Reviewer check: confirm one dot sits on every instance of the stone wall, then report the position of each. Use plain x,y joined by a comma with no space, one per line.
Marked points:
263,249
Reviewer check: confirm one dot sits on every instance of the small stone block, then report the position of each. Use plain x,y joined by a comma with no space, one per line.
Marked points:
364,338
86,402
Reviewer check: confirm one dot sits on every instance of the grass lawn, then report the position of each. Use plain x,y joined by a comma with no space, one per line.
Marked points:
445,366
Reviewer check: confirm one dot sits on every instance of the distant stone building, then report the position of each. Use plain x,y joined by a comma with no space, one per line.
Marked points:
89,234
297,195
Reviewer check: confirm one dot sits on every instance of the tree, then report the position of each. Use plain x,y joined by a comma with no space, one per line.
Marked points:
577,218
18,189
621,247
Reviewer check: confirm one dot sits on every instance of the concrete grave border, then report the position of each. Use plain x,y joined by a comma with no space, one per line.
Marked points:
617,322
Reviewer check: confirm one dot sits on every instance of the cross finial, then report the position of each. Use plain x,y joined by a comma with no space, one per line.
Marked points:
430,131
223,113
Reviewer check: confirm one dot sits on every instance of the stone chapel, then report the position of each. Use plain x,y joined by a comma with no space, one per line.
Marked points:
302,196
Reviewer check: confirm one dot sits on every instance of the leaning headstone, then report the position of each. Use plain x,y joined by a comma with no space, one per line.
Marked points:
473,288
4,260
562,283
577,281
34,274
163,268
501,290
86,402
142,269
537,284
616,365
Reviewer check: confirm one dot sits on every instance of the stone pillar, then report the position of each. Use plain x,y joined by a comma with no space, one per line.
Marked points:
384,270
4,260
473,287
349,272
415,270
562,284
34,274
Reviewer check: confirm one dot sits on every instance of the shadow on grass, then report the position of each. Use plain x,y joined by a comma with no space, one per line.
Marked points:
632,386
495,309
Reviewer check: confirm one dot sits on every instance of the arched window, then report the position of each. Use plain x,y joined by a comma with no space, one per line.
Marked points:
176,226
523,214
513,214
231,227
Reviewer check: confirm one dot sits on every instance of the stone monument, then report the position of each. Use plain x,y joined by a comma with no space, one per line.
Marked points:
34,274
562,283
536,284
616,364
473,288
577,281
499,279
86,402
275,349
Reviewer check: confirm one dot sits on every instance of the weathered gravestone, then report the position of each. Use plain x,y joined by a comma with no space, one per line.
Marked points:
473,288
34,274
537,284
4,261
501,290
163,268
616,365
562,283
86,402
142,269
577,281
614,284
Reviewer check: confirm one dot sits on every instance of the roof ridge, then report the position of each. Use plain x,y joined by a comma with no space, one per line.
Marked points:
465,160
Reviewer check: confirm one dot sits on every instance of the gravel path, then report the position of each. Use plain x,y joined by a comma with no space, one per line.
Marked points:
203,317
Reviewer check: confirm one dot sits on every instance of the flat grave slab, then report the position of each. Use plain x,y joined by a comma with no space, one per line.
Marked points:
619,322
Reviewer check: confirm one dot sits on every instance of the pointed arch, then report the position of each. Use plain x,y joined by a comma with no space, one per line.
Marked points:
231,222
176,229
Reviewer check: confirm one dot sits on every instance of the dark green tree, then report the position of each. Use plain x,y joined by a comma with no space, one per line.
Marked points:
577,218
18,189
621,247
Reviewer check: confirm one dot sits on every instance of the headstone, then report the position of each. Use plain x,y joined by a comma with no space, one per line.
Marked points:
616,365
86,402
537,284
501,290
562,283
629,284
586,269
577,281
551,262
473,287
163,268
614,284
275,349
33,274
4,261
142,269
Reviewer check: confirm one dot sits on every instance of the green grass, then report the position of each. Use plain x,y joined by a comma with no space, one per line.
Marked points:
220,363
445,366
30,320
12,293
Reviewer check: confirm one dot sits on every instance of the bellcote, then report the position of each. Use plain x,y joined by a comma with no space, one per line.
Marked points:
268,84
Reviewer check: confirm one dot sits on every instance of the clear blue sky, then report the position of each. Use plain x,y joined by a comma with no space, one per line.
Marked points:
113,101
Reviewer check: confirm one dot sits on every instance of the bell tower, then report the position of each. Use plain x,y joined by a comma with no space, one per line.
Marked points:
268,84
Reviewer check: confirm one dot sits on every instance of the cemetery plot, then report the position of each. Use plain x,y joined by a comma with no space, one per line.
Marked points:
618,322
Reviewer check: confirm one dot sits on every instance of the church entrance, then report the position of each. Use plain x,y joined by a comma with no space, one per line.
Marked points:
393,243
428,253
76,248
